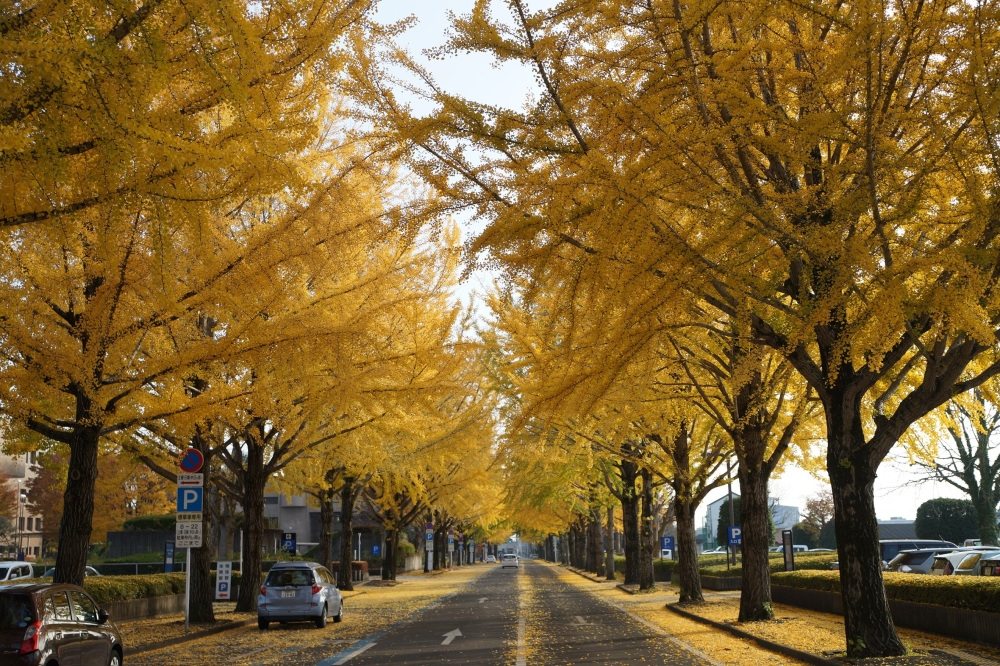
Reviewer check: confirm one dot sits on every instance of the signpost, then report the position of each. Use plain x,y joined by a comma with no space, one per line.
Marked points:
168,557
786,546
667,543
190,487
288,542
223,581
428,546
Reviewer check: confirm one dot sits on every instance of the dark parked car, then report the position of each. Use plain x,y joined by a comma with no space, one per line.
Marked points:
299,591
51,623
890,547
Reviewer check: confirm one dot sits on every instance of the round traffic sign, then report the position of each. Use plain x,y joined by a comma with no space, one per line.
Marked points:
192,460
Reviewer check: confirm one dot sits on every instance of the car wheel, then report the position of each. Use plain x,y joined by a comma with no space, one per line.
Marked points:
262,624
339,617
321,620
116,658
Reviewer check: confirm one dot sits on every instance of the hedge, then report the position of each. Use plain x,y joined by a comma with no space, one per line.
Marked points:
123,588
969,592
715,565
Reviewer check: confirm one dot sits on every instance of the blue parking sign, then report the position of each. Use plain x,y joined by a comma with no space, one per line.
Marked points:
376,550
189,499
666,543
735,536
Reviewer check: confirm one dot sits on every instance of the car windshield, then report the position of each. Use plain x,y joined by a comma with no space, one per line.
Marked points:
15,612
289,577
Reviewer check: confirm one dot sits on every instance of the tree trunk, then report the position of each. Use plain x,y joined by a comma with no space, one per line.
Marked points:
689,579
325,554
868,624
255,479
755,596
986,513
646,532
347,497
630,521
609,538
78,502
594,541
391,548
202,589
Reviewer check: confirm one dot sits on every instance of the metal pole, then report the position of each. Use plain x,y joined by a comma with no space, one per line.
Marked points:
241,552
187,589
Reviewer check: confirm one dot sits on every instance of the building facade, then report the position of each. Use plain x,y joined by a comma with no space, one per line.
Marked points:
23,535
784,516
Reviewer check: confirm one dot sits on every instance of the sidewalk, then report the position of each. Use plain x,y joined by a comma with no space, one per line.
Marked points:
795,636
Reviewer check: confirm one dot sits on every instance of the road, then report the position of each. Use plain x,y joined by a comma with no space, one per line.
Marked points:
518,616
487,616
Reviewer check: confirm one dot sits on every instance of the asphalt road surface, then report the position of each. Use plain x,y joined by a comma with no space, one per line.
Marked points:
518,617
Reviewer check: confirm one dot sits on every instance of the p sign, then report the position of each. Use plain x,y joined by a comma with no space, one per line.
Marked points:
735,536
666,543
189,499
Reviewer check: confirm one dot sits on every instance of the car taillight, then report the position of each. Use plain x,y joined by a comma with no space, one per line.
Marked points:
948,569
316,589
263,590
30,642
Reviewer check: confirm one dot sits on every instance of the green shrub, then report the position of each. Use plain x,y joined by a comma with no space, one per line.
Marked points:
122,588
969,592
715,565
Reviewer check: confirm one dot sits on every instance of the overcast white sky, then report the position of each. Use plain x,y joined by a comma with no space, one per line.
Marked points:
475,76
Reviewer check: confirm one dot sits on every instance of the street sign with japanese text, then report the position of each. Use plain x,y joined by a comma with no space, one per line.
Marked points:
224,581
188,535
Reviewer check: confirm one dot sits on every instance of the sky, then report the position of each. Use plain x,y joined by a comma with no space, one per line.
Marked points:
475,76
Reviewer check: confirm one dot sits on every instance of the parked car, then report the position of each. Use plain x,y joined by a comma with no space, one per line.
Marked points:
721,550
889,548
48,623
508,560
989,566
917,561
299,592
89,571
15,571
961,562
491,559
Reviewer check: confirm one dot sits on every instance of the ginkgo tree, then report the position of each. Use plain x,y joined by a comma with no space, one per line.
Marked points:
827,171
128,132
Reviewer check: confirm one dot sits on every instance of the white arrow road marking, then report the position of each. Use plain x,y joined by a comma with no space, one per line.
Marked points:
580,622
482,599
450,636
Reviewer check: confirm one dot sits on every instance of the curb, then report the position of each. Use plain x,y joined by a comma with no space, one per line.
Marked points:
202,633
586,575
785,650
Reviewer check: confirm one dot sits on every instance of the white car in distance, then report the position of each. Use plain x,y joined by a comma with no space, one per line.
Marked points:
508,560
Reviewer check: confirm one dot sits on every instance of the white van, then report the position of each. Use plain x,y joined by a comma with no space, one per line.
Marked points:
15,571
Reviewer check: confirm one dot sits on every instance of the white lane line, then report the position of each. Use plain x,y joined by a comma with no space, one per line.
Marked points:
353,654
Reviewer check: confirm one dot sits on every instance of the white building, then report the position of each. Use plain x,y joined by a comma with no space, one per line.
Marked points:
26,536
784,517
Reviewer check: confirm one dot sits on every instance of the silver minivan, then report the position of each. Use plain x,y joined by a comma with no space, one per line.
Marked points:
15,571
297,592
